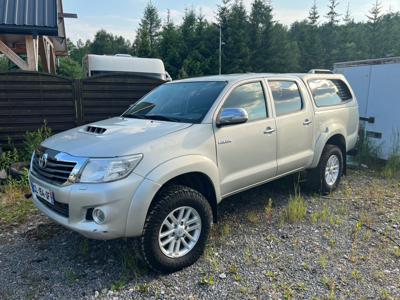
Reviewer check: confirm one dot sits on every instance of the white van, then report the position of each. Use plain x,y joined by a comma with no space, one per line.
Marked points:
104,64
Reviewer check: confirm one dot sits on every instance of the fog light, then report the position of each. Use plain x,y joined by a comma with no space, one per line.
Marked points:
99,216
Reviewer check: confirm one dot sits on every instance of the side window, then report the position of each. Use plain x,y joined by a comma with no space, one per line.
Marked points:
249,96
287,97
329,92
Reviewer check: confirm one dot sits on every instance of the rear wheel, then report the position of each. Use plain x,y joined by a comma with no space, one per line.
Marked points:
176,229
326,176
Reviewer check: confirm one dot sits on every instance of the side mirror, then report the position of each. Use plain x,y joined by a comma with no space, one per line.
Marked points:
232,116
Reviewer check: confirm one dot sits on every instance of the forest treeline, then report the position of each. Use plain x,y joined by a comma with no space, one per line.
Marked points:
252,41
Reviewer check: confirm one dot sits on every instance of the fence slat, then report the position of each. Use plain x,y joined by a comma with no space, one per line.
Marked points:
29,98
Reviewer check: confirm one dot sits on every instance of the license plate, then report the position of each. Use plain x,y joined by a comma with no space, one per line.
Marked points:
43,193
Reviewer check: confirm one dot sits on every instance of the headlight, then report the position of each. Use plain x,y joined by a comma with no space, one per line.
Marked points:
109,169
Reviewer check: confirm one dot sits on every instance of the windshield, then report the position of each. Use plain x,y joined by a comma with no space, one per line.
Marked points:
186,102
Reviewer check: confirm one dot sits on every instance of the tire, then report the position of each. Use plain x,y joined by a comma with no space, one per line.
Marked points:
172,200
317,177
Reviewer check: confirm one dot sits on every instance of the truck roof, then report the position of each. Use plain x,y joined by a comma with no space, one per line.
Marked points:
232,78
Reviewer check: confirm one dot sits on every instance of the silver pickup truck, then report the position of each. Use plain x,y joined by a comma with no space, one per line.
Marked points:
159,170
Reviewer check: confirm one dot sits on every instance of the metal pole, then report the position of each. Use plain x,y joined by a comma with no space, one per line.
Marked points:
220,49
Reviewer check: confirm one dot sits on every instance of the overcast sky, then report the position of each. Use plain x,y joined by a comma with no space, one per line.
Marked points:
123,16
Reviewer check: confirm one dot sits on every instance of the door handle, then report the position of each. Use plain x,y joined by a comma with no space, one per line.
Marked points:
307,122
269,130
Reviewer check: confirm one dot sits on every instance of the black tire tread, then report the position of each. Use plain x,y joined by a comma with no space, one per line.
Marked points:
162,204
316,175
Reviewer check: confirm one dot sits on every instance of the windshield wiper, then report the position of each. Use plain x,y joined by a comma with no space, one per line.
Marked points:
133,116
162,118
152,117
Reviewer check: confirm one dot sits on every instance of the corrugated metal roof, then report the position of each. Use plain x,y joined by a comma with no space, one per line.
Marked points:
28,17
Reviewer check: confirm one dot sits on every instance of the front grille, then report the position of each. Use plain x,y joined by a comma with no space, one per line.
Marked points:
55,171
58,207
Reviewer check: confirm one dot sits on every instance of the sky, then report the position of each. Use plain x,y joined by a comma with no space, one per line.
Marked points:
122,17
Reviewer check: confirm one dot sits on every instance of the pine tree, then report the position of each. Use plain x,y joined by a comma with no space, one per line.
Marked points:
260,33
107,43
333,15
169,47
375,36
313,15
348,18
147,34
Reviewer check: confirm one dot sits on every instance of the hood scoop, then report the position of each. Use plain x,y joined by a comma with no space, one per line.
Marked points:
95,129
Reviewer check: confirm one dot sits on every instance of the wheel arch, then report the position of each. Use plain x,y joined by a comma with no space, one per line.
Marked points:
198,181
336,138
195,171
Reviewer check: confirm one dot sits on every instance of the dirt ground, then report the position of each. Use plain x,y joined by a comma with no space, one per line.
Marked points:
346,246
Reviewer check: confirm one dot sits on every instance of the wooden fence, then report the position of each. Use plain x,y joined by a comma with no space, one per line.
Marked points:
27,99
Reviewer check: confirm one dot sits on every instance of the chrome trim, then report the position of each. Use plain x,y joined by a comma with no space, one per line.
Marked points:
80,163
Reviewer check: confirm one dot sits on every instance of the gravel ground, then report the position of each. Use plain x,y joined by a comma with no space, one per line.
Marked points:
344,248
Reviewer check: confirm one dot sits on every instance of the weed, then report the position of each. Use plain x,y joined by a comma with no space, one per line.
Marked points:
233,269
296,209
391,169
288,293
271,275
225,230
207,280
14,208
306,266
33,140
71,276
143,288
368,151
356,275
323,261
7,158
268,210
85,247
396,252
243,289
120,283
237,277
385,294
253,217
212,257
131,264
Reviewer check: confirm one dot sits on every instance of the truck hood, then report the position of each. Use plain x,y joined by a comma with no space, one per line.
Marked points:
121,137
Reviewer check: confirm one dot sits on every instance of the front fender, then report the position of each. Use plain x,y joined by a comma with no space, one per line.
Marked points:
160,175
324,135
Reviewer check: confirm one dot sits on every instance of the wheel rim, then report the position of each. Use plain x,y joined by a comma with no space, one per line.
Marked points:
332,170
179,232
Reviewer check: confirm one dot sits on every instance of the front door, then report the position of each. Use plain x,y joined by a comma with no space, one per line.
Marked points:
246,152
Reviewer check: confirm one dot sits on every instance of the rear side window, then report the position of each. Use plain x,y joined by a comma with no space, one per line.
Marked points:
249,96
287,97
328,92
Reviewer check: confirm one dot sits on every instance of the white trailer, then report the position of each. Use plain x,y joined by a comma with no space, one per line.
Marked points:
376,84
104,64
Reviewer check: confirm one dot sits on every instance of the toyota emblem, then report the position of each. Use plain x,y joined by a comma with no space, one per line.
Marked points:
43,160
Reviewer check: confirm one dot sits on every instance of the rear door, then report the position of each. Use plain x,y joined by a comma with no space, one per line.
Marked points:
294,123
247,152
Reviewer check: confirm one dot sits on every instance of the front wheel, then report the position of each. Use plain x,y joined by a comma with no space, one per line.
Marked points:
176,229
326,176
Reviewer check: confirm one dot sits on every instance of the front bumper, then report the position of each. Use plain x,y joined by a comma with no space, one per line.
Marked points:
114,198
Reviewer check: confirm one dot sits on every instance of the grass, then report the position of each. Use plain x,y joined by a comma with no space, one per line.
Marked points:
396,252
131,268
296,209
14,208
323,261
207,280
71,276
